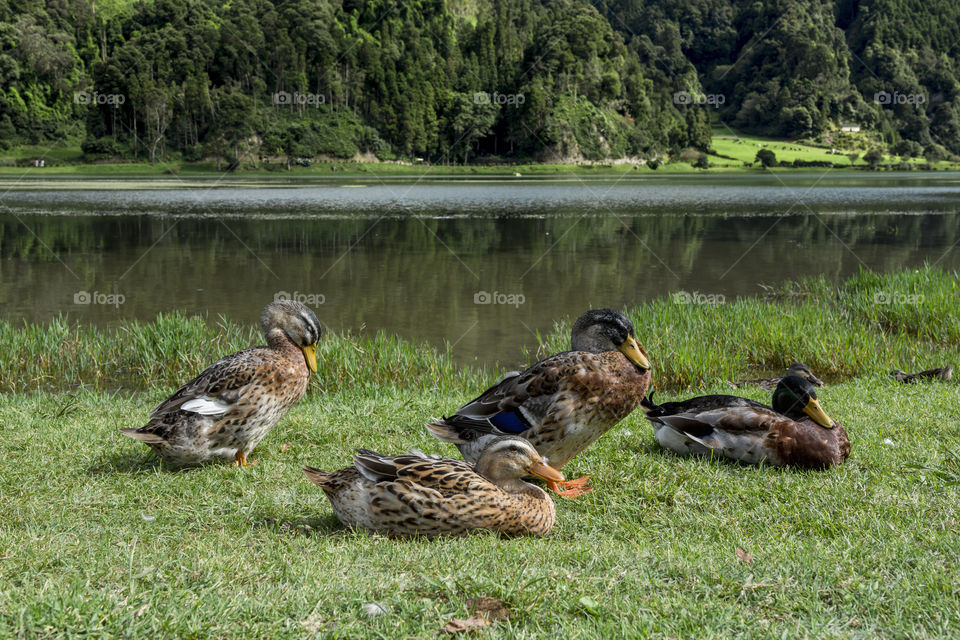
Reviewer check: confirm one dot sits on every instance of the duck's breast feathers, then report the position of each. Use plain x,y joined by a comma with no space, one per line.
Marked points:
805,444
221,385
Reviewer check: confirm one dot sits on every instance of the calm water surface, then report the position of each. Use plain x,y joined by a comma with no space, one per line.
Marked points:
419,258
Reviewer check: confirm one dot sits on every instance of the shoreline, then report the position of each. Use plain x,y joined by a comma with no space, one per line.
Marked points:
374,171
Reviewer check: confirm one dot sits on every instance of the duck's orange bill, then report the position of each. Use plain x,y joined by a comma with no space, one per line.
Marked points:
545,472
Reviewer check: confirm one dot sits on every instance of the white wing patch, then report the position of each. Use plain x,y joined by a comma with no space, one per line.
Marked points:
206,406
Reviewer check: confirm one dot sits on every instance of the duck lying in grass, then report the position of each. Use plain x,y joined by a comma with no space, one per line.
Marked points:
416,494
564,403
795,432
797,369
223,413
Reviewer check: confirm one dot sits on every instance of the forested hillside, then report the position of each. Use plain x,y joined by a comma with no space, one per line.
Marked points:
461,80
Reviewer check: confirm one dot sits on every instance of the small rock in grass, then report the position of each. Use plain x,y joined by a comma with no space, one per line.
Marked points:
374,609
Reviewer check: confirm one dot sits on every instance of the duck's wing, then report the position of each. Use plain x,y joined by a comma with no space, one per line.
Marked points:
734,419
418,494
520,402
220,386
734,427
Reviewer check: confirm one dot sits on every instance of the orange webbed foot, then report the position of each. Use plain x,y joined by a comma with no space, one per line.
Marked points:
571,488
241,460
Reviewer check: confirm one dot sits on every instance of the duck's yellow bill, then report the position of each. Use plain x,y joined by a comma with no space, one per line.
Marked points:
631,349
815,411
310,354
545,472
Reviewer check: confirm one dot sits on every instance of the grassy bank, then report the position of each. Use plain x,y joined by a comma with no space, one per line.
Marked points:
868,324
99,540
60,355
730,151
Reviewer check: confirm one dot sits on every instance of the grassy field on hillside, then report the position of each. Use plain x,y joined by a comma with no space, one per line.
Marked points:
68,160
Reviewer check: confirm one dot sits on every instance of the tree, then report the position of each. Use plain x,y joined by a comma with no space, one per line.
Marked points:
766,158
873,158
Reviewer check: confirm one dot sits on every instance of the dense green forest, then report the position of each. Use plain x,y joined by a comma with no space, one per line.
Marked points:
465,80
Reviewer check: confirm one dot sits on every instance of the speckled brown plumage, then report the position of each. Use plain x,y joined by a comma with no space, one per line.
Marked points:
797,369
751,432
561,404
224,412
415,494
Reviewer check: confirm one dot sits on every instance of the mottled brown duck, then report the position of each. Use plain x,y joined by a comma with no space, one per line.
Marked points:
223,413
561,404
416,494
797,369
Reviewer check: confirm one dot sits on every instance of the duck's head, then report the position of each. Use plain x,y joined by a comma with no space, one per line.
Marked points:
507,460
297,322
795,398
600,330
801,370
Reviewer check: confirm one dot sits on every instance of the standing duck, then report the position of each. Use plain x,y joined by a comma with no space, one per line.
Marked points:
562,404
794,432
418,494
224,412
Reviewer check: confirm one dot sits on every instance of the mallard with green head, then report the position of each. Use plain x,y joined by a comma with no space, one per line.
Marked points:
794,432
563,403
223,413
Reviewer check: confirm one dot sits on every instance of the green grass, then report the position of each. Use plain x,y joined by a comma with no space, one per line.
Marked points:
869,324
99,540
68,160
744,149
61,355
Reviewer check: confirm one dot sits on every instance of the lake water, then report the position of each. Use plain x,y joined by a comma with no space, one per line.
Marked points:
480,263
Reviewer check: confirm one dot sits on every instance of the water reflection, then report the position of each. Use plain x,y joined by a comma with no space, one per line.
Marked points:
411,258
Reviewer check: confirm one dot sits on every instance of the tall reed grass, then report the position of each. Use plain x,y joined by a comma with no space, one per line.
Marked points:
870,323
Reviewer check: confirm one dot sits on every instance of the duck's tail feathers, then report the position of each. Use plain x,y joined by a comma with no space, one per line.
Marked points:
143,436
318,477
649,407
442,431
